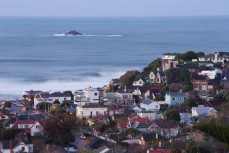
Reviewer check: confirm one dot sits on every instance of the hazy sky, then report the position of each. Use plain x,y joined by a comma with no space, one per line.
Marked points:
114,7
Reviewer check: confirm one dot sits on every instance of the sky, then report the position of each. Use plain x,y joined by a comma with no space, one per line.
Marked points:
101,8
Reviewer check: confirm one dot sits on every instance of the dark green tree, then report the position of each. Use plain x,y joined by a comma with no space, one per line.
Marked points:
192,147
175,75
7,104
129,77
172,114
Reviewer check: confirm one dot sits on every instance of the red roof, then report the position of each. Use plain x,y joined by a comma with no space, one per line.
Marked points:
139,119
122,123
160,151
15,126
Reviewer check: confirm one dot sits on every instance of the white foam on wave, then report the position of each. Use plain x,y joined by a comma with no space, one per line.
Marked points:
11,88
84,35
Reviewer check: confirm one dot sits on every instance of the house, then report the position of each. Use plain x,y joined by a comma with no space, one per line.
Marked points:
153,92
32,127
150,115
115,109
200,83
203,111
210,74
137,90
173,98
91,110
29,95
102,149
216,57
149,105
190,67
147,138
99,119
124,98
138,123
86,96
17,146
157,76
185,117
51,97
167,64
169,56
164,128
115,82
122,124
139,82
135,108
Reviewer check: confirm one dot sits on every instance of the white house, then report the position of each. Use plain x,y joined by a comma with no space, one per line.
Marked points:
29,126
17,146
169,56
91,111
139,82
51,97
211,74
150,115
203,111
124,97
216,57
167,64
173,98
149,105
135,108
88,95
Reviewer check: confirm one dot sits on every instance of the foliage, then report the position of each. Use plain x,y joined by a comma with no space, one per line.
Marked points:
175,75
10,133
190,103
175,150
43,106
58,128
65,104
216,128
192,147
129,77
152,66
187,87
188,56
55,108
7,104
56,101
172,114
133,132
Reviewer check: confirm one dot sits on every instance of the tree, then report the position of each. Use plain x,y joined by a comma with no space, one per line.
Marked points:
176,150
129,77
192,147
172,114
188,56
55,108
190,103
187,87
43,106
56,101
10,134
58,128
7,104
151,66
175,75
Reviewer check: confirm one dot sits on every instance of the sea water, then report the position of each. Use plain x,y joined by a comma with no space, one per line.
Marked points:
34,53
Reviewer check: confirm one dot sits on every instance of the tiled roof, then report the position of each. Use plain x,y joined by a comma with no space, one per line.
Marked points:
139,119
147,101
177,94
23,122
198,77
54,94
165,123
189,66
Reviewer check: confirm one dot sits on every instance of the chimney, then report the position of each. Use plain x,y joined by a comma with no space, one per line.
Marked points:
125,88
156,136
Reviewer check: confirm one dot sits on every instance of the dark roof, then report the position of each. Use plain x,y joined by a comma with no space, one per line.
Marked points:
132,88
161,73
32,92
8,121
198,77
147,101
37,117
6,143
55,94
208,56
170,54
189,67
97,143
94,106
223,54
165,123
151,136
101,149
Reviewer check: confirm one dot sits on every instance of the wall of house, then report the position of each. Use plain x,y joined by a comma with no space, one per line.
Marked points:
173,100
86,112
36,129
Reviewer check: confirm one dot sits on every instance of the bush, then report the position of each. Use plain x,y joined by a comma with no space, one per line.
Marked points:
7,104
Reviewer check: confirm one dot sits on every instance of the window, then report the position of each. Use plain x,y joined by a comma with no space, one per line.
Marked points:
96,94
156,106
20,126
173,98
26,126
23,148
37,126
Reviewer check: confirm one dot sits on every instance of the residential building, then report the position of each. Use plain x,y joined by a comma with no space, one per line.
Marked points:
203,111
211,74
148,138
169,56
157,76
167,64
216,57
32,127
190,67
86,96
149,105
115,109
91,111
29,95
124,98
139,82
150,115
200,83
173,98
51,97
17,146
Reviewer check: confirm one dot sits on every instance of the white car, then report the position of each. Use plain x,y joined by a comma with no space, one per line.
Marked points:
70,149
82,137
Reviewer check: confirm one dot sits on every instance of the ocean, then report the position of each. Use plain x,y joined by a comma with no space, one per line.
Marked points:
35,55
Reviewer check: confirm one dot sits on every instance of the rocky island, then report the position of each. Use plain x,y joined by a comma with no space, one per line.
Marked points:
72,33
